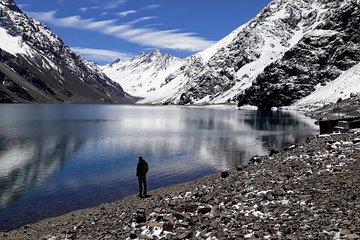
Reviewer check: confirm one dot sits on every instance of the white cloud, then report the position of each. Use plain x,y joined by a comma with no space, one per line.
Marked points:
114,4
99,55
85,9
151,6
99,24
126,13
141,19
172,39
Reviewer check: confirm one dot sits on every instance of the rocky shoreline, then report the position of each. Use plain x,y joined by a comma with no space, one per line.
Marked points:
310,191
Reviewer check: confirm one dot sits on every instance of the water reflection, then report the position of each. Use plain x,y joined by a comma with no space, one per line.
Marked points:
57,158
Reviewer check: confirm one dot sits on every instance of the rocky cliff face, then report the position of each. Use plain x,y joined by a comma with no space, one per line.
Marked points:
220,73
36,66
317,59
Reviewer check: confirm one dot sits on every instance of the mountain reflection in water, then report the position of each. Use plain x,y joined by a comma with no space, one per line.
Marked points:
57,158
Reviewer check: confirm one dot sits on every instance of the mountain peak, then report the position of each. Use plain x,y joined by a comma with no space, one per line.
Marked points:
153,56
144,73
117,61
11,5
155,52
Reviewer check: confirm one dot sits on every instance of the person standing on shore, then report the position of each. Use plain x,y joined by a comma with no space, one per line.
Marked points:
141,171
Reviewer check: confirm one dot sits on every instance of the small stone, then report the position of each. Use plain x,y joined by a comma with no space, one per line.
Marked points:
140,217
353,197
271,230
224,174
185,224
178,216
287,188
291,237
133,235
220,234
204,210
255,159
256,227
290,147
273,152
186,235
353,236
345,232
182,236
157,210
154,224
241,168
168,225
346,222
279,192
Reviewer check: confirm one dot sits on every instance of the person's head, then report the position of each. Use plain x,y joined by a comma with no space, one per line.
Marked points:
141,158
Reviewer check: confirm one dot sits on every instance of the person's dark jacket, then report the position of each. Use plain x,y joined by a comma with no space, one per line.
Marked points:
142,168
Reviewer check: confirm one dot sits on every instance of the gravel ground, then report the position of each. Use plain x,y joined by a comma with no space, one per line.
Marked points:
310,191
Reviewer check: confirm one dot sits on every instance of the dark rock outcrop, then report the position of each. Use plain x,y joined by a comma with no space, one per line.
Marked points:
318,58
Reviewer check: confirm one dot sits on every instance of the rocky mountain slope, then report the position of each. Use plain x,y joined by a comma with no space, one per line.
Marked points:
320,57
36,66
143,74
290,49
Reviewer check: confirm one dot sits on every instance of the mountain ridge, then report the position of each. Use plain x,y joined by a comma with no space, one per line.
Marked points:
233,69
36,66
144,73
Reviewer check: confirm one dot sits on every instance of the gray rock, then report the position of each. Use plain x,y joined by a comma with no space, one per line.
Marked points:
204,210
224,174
133,235
279,192
273,152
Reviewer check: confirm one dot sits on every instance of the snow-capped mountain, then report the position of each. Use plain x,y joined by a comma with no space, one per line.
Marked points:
220,73
321,60
36,66
277,58
143,74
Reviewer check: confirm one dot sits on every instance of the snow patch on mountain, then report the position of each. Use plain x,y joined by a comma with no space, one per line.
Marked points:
13,45
342,87
206,54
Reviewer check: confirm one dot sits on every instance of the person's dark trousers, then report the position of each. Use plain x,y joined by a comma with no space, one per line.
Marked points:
142,181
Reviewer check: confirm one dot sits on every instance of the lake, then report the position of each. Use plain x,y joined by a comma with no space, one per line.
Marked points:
58,158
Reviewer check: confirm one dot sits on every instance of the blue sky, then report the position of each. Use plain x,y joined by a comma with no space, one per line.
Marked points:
104,30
